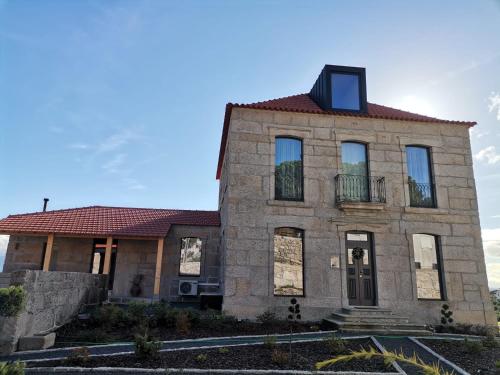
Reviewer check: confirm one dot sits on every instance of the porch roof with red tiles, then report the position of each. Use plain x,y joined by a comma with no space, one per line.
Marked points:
302,103
100,221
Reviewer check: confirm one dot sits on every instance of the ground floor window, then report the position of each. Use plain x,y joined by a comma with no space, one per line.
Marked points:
428,267
190,260
288,262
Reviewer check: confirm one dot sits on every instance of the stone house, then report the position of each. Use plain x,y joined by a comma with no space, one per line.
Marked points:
323,196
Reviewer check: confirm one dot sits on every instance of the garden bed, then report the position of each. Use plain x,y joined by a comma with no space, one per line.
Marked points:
112,323
272,357
472,356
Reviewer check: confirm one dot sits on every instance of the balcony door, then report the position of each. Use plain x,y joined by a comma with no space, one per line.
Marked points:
420,177
355,170
360,269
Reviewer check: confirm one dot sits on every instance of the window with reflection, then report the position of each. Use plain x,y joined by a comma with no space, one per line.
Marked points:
190,260
420,177
288,169
428,268
355,184
345,91
288,262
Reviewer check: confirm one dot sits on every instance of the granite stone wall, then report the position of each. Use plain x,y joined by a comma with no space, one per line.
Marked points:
53,298
250,214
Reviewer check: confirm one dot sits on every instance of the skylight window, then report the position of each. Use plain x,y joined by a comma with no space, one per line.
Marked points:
345,91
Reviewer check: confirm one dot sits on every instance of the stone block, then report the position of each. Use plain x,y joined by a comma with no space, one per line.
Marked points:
36,342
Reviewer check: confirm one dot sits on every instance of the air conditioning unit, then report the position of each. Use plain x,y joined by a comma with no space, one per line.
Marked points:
188,288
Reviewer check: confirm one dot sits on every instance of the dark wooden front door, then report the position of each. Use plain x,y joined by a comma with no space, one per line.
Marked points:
360,275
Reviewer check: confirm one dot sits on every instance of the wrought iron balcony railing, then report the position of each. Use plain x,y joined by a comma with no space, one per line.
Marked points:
354,188
421,195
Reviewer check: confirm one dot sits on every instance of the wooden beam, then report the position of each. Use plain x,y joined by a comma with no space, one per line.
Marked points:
159,259
107,255
48,252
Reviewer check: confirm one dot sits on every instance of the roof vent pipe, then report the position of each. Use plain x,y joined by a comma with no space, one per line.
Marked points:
45,201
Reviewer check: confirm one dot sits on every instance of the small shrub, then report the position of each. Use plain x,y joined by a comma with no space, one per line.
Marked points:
335,344
183,323
12,368
217,321
280,357
267,317
160,313
145,347
446,314
110,316
78,357
490,342
223,350
497,364
137,312
201,358
12,300
473,347
270,342
193,316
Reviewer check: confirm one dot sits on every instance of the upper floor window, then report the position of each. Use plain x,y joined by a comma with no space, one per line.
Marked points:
355,185
289,181
288,262
341,88
428,268
345,91
190,259
420,180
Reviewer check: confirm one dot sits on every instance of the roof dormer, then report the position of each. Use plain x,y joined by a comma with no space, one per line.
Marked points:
341,88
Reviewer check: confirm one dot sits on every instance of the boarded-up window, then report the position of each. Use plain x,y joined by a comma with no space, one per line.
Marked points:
288,262
190,260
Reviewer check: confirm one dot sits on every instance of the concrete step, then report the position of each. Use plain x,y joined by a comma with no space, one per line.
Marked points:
377,327
389,318
365,311
396,332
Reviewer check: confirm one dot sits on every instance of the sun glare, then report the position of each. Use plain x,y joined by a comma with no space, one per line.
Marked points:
415,104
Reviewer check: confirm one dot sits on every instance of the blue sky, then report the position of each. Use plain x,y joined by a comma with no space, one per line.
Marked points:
121,102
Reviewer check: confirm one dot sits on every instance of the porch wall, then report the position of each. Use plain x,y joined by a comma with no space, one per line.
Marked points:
27,256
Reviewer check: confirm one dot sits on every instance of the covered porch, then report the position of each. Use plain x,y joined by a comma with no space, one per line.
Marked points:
145,254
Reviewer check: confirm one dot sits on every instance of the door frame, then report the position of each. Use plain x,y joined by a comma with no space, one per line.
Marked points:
373,264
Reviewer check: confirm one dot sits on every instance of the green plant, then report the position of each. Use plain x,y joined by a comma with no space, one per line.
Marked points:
223,350
12,300
201,358
111,316
12,368
497,364
183,323
490,341
159,314
335,344
446,314
472,346
78,357
270,342
280,357
268,317
145,347
293,317
137,312
388,357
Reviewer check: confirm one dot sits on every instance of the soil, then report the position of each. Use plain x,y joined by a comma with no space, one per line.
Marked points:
80,333
304,357
482,362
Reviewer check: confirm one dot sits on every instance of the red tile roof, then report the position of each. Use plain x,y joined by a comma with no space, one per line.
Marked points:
107,221
302,103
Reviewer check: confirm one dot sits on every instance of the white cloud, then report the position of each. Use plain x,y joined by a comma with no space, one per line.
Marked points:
4,240
494,104
488,155
478,133
491,244
119,139
113,165
79,146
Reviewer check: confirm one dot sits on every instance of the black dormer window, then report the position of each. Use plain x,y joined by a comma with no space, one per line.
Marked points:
341,88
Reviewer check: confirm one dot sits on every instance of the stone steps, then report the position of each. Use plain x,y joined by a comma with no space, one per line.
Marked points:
374,320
